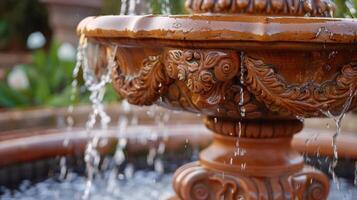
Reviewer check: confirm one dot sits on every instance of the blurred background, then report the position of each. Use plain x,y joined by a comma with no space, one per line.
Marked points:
38,46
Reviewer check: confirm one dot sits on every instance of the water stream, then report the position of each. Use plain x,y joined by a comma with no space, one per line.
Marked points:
240,151
95,82
338,119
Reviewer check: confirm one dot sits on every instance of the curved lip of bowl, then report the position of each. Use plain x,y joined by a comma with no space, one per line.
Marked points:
222,28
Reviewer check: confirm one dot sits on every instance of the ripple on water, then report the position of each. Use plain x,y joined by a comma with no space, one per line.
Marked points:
148,184
142,184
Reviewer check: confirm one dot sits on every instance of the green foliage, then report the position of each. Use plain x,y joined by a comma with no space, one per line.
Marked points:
175,6
113,7
346,8
110,7
49,83
18,19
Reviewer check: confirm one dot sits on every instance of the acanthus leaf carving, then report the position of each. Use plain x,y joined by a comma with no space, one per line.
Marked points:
308,99
145,87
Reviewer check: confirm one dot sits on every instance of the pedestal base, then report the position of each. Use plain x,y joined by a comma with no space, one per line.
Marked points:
194,182
251,168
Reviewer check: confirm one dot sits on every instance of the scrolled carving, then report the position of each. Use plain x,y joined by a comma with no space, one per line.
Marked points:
321,8
311,184
207,73
145,87
197,183
306,100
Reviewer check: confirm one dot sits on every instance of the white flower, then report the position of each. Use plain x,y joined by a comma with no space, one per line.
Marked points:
66,52
36,40
17,79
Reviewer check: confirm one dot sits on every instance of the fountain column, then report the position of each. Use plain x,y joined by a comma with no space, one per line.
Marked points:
250,160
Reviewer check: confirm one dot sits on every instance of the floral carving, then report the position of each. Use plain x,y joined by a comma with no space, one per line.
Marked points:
306,100
207,83
179,96
147,86
207,73
268,7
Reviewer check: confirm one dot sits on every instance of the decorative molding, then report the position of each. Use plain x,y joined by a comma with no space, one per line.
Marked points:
254,129
310,184
179,96
319,8
206,81
195,182
147,86
308,99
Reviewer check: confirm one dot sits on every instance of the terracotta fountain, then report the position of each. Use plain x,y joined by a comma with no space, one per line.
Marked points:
253,68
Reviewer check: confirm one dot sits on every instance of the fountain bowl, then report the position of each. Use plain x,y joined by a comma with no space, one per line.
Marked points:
289,66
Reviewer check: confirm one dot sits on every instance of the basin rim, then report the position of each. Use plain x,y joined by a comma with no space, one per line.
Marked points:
222,28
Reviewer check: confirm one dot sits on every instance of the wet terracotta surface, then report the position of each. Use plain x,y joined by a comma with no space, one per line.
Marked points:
253,76
222,28
45,144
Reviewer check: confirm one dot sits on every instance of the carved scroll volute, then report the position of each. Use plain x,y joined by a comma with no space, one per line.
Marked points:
145,87
307,100
194,182
310,184
207,73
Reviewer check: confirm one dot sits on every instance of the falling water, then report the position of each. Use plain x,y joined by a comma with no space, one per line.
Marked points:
95,84
242,73
156,152
124,7
123,123
240,151
119,155
70,109
166,9
338,119
161,119
355,173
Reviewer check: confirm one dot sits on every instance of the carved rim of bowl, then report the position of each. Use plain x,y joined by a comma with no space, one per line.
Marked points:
214,28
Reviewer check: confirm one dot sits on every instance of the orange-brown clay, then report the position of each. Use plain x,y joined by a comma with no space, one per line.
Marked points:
251,74
251,167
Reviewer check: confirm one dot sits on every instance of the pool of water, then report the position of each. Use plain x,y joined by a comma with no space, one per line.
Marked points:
141,184
149,185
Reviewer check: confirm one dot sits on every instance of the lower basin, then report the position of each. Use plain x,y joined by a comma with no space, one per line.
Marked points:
37,175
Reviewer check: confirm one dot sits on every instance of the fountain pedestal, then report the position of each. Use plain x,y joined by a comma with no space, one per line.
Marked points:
250,160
